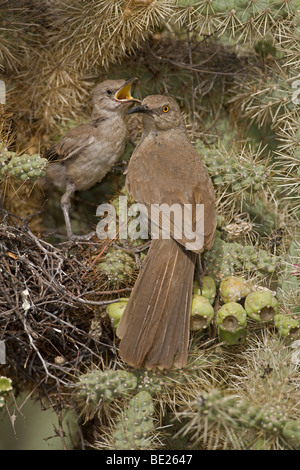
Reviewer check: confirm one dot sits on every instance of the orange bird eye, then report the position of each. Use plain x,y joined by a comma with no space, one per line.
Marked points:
165,109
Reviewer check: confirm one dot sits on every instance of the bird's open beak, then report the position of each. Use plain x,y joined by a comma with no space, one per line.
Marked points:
123,95
140,109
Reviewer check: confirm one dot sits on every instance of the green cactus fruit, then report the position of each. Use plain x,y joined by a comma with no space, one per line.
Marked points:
291,432
108,384
209,289
27,167
115,311
233,288
202,313
261,306
133,432
5,385
287,326
231,322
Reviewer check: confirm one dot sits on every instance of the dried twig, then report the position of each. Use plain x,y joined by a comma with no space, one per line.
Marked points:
47,308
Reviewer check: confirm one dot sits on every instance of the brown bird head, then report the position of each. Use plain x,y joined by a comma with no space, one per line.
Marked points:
113,96
160,113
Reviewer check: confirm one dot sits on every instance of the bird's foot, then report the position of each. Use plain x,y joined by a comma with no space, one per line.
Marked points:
135,251
77,238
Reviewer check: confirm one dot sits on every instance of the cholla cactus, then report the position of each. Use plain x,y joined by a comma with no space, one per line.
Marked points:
133,431
5,157
240,101
291,432
259,409
288,290
244,20
290,41
95,385
244,171
118,266
288,159
268,378
225,259
240,175
13,31
52,89
265,97
234,416
27,167
22,167
103,31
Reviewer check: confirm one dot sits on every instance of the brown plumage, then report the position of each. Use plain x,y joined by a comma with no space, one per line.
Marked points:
164,168
85,154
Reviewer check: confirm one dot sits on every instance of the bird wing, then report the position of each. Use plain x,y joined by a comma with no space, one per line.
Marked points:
167,170
72,143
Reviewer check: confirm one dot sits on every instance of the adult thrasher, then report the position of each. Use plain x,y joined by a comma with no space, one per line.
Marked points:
165,168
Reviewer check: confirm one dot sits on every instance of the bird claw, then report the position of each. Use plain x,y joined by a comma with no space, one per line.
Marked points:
133,249
77,238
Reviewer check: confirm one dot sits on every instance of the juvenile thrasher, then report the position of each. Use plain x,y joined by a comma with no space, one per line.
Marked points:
85,154
164,168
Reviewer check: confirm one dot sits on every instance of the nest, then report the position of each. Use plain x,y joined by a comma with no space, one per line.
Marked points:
53,307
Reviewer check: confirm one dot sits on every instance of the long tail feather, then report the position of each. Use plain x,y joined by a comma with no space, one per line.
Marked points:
154,328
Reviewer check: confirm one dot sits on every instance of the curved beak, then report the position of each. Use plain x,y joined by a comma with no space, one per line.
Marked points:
123,95
140,109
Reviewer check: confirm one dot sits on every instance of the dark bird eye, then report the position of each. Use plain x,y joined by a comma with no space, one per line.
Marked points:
109,92
165,109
